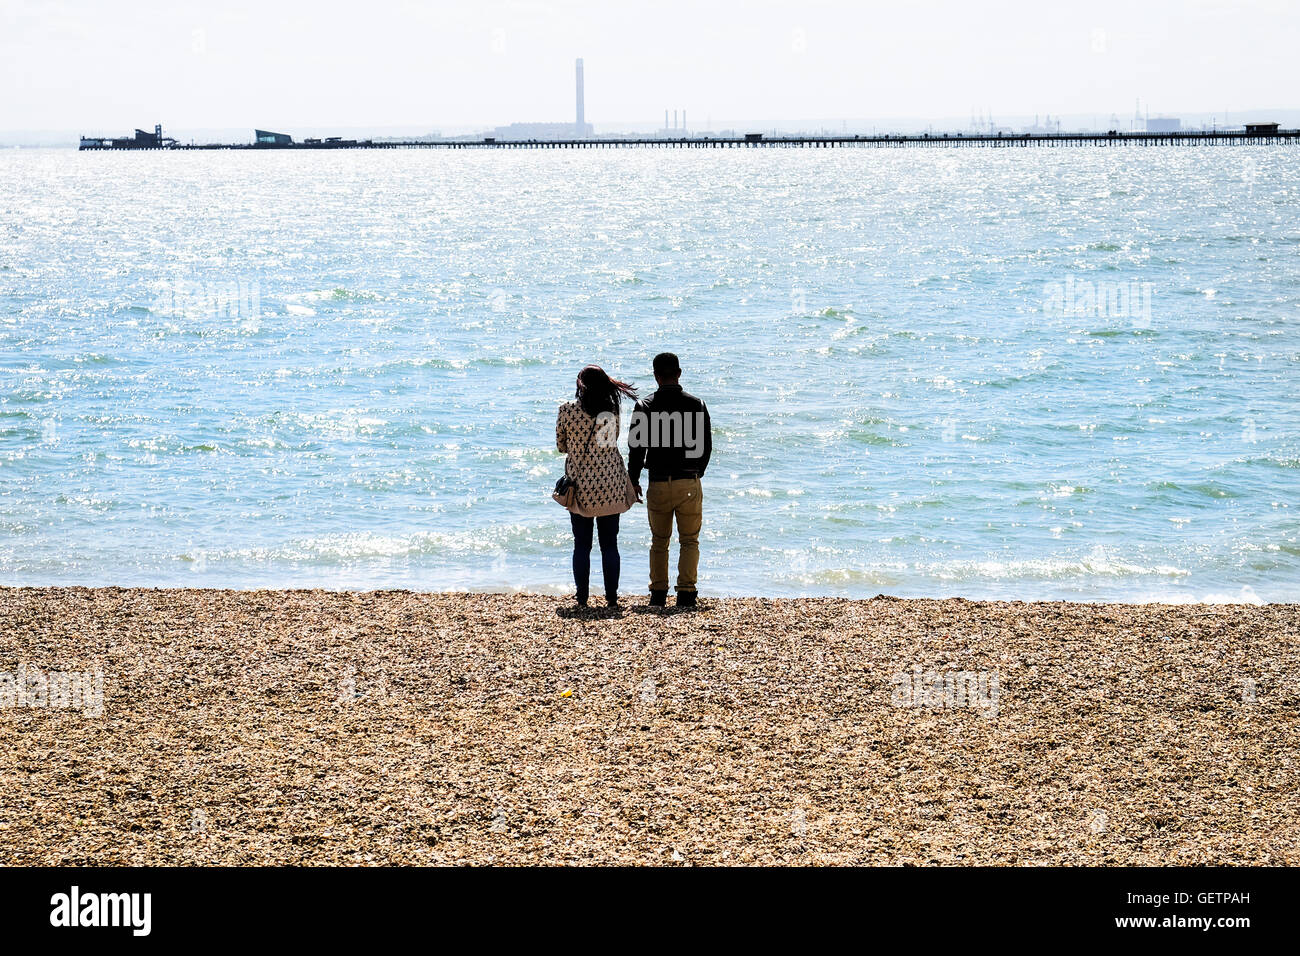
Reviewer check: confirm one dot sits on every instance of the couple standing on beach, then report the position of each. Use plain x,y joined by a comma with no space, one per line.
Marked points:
670,437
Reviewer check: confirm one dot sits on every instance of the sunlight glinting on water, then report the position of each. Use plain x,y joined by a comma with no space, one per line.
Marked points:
991,373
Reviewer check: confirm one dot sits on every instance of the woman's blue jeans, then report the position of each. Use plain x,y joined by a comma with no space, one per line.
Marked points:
607,528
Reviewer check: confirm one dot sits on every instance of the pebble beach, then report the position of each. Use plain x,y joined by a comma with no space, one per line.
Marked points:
394,727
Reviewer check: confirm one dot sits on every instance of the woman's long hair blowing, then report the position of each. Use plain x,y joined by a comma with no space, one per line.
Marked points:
597,392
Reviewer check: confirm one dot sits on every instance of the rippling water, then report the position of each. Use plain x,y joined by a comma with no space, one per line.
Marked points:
341,369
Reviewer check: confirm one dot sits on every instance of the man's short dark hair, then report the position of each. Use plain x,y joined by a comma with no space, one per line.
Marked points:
667,366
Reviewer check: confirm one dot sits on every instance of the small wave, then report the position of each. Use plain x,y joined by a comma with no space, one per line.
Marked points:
1205,489
508,361
1275,461
848,577
1110,333
412,362
871,438
1049,569
337,294
170,447
1245,595
347,547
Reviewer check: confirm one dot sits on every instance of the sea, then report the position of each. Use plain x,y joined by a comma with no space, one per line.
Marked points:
1017,373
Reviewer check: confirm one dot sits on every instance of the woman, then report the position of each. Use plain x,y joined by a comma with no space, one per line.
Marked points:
587,430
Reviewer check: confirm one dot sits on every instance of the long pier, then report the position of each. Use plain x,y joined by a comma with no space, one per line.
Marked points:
759,140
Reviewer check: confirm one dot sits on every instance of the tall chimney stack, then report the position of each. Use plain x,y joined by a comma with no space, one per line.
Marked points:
582,117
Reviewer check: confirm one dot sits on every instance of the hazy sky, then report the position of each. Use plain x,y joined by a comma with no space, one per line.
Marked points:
115,64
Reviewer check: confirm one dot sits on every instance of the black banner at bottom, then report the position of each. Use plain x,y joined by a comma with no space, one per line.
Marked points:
564,908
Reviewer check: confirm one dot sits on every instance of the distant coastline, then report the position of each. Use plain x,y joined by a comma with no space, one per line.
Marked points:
1252,134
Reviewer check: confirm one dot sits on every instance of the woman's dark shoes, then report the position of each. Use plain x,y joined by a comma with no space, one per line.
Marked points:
658,598
686,599
612,601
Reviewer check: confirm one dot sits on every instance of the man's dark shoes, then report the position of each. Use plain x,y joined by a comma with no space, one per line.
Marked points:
658,598
686,599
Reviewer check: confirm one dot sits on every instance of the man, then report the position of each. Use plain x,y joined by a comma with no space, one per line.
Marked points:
670,436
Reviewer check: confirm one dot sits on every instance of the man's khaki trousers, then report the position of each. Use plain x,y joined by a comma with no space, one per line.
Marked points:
683,499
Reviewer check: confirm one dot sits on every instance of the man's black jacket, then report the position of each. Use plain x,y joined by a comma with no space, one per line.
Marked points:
670,435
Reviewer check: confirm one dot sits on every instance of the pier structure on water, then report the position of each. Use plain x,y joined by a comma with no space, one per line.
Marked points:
1257,134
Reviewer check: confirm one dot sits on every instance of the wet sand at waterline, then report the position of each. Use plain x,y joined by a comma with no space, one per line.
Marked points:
248,727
